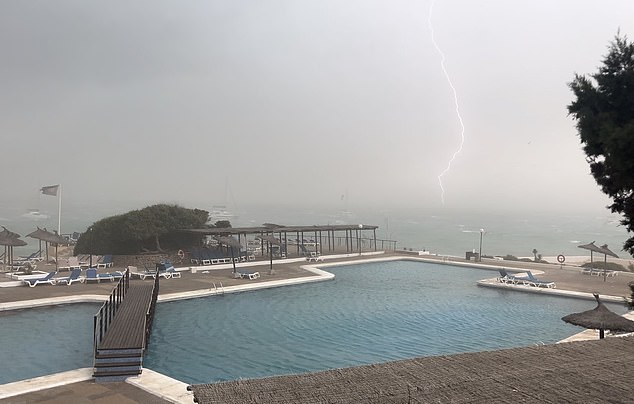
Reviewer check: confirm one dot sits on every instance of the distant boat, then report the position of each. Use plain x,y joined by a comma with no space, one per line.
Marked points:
220,212
35,214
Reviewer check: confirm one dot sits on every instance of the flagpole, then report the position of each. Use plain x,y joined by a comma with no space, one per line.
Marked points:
59,211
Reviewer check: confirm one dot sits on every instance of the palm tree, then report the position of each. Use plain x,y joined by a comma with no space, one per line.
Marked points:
535,254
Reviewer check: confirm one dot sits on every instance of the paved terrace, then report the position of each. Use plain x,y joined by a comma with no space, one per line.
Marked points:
567,278
507,372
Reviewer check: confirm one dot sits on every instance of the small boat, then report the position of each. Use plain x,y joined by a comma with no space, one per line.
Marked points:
35,214
220,212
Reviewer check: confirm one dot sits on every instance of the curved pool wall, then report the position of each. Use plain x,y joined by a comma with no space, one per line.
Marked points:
370,313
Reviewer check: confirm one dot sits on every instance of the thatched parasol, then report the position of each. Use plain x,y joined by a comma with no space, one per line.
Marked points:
232,243
9,240
271,240
600,318
48,237
592,248
601,250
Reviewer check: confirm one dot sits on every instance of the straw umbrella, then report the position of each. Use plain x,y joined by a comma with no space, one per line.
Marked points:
48,237
38,234
600,318
9,240
606,251
601,250
232,243
592,248
271,240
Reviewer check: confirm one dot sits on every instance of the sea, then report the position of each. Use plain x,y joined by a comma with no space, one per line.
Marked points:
439,231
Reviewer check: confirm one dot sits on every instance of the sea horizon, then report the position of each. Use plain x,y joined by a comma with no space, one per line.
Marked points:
438,230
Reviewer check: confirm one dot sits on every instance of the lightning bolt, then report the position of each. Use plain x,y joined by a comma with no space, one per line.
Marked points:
455,98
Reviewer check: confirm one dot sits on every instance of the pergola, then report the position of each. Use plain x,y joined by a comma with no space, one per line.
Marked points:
324,237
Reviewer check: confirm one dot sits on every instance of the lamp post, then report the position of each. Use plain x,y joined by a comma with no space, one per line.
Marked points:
90,248
480,254
360,228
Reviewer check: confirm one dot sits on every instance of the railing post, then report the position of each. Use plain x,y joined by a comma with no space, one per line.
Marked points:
110,308
94,334
101,330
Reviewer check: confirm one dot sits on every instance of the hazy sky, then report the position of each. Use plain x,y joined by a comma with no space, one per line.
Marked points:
299,102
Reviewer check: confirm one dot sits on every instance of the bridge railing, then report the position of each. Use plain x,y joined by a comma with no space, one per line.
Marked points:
107,311
149,315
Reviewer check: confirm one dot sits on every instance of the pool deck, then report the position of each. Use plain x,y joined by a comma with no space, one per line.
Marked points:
77,386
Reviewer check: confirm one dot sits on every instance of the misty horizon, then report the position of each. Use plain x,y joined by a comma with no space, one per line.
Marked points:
296,104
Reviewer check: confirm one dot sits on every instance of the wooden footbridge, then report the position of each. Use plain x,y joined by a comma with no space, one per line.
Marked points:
122,329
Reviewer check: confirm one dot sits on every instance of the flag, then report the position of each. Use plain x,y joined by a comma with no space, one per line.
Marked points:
50,190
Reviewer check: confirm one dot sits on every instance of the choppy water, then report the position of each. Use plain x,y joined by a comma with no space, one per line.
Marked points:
442,231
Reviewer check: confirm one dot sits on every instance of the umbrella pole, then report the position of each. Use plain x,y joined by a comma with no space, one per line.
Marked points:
233,261
601,333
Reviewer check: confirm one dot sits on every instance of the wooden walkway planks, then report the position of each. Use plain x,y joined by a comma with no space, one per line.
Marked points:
126,330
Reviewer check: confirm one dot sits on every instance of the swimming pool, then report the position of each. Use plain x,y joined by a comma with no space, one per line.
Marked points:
369,313
42,341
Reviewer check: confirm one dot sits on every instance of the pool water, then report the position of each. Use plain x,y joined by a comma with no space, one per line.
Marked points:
370,313
41,341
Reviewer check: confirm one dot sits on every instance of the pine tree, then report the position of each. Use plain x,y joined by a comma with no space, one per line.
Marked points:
604,114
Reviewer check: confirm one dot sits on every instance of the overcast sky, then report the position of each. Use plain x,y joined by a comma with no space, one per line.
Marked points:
299,102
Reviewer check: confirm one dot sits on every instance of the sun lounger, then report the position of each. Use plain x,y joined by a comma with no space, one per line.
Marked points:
68,264
166,270
92,275
533,281
598,272
75,276
40,281
170,270
33,258
147,273
505,277
311,255
105,262
195,257
245,274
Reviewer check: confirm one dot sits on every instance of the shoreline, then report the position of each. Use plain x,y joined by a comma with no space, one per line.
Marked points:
173,390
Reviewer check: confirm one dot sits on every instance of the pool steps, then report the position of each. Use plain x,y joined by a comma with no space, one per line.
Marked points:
117,364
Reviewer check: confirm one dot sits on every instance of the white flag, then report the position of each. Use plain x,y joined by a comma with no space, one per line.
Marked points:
50,190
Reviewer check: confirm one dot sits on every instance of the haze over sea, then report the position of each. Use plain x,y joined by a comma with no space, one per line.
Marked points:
443,230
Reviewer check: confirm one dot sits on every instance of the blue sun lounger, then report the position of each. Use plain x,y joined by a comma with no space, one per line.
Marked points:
92,275
537,282
105,262
75,276
40,281
505,277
